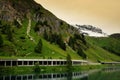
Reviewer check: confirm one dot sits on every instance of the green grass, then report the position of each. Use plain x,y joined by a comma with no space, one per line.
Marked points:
48,51
97,53
45,69
107,43
23,47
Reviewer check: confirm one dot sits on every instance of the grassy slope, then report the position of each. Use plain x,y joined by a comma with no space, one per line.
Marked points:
97,53
25,47
49,51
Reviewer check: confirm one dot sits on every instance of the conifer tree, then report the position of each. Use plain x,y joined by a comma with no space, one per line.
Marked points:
69,63
81,53
38,48
45,35
1,41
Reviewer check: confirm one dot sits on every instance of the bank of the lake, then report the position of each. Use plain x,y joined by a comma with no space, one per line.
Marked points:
110,73
47,69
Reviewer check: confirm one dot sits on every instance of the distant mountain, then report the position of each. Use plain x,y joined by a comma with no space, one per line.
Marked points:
110,44
115,35
91,30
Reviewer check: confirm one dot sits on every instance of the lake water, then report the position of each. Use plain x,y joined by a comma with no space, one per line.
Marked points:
104,74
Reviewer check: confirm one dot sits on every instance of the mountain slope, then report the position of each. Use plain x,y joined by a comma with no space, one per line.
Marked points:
106,46
27,30
24,23
115,35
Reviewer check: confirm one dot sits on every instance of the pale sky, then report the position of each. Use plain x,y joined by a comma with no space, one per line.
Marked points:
104,14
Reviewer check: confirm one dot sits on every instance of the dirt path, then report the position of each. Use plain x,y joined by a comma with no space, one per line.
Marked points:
19,22
28,31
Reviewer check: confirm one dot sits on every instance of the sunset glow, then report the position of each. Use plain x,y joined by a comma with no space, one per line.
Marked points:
104,14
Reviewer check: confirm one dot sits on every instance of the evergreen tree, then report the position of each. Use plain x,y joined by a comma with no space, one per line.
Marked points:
38,48
83,39
37,26
1,41
64,46
57,39
69,63
10,34
6,29
53,38
71,42
81,53
60,42
45,35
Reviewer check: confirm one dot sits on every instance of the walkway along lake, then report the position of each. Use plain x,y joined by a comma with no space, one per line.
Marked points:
42,62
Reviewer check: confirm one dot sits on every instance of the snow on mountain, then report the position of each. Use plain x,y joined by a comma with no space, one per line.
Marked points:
90,30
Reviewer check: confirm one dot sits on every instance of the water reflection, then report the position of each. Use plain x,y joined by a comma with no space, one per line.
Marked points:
49,76
105,74
109,73
69,75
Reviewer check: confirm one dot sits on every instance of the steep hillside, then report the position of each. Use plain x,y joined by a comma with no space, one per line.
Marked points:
27,30
108,47
115,35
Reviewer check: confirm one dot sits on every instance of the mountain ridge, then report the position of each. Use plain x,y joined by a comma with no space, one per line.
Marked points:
91,30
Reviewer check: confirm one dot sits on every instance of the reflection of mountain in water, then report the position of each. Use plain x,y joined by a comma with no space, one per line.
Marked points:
111,69
49,76
109,73
105,74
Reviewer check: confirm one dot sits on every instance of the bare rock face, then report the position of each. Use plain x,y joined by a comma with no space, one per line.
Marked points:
18,10
13,9
7,12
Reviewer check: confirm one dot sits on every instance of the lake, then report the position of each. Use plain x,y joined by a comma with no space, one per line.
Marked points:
104,74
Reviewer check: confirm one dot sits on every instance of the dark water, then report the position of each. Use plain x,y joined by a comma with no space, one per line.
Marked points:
105,74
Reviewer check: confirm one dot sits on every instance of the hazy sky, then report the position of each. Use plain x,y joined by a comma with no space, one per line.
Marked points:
104,14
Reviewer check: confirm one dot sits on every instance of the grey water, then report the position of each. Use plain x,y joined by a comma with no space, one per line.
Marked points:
104,74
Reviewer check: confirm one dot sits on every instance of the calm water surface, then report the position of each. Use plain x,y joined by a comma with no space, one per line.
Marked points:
104,74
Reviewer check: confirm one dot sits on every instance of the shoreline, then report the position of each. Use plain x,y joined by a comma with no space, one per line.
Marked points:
46,69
